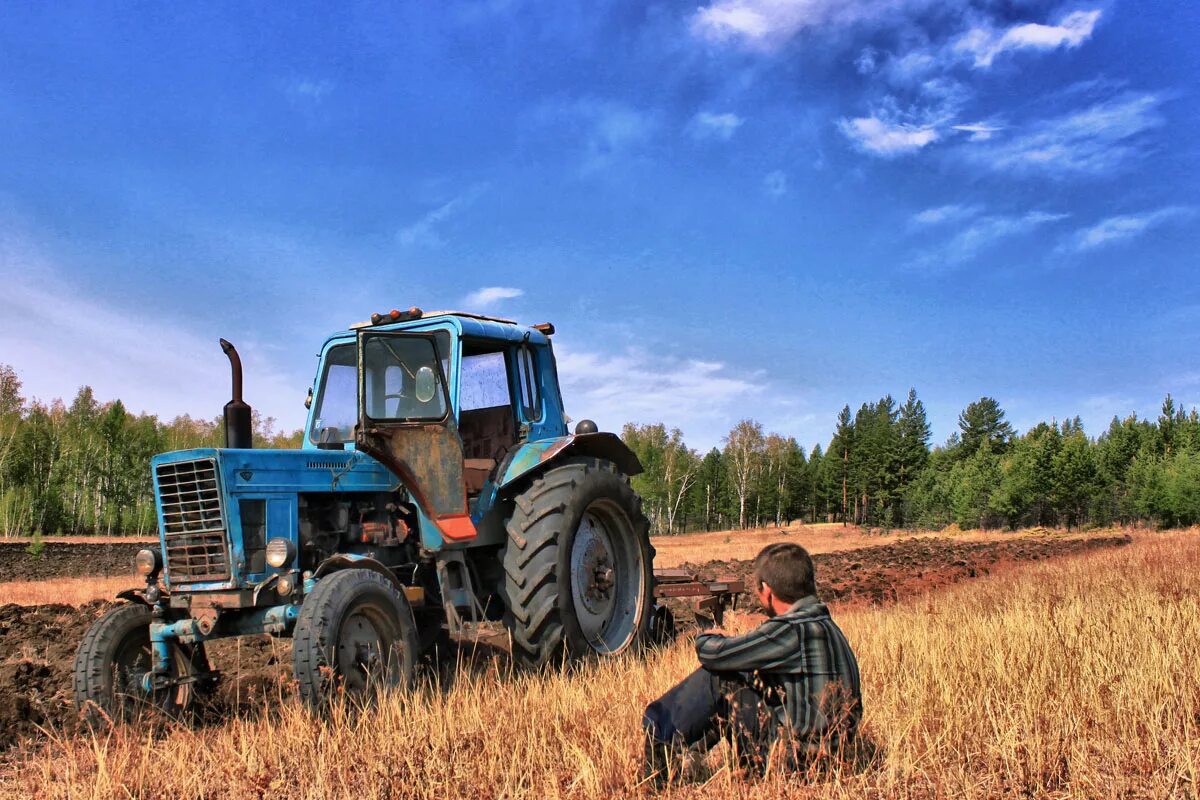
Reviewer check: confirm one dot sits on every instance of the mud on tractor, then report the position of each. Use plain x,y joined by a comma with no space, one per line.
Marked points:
437,488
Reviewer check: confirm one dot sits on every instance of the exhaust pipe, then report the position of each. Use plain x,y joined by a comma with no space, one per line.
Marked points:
238,429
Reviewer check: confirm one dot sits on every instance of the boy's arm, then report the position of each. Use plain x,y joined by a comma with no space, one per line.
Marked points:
767,646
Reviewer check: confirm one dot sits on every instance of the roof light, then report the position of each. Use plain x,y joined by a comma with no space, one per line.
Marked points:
396,315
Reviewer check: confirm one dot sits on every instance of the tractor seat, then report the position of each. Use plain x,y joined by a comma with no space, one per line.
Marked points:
476,472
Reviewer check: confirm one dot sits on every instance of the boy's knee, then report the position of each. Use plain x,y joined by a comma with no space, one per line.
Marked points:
656,722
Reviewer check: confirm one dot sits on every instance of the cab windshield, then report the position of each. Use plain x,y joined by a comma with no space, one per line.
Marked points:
397,387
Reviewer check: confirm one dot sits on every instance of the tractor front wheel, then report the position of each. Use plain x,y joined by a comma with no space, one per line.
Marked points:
112,663
578,575
355,634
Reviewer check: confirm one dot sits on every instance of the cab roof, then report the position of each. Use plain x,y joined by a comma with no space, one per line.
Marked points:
468,324
408,316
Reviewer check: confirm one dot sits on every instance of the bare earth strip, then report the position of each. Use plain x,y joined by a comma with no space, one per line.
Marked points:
743,545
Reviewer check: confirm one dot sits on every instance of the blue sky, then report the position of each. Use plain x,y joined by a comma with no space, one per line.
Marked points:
734,208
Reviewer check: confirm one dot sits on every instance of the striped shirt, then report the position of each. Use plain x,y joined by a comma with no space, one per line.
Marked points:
802,665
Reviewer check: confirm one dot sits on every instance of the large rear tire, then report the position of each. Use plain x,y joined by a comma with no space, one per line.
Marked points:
578,565
355,634
112,661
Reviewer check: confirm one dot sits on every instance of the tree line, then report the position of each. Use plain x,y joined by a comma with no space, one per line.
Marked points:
84,468
880,470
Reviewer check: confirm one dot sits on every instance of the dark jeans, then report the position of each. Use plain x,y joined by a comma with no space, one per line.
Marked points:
705,707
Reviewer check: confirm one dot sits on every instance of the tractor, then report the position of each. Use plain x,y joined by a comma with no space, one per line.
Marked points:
437,488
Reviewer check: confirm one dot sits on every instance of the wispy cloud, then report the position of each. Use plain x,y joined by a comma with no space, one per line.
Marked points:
877,137
944,214
309,90
702,397
766,24
1095,140
983,44
1114,230
775,184
424,232
490,296
979,131
603,133
707,125
155,364
983,233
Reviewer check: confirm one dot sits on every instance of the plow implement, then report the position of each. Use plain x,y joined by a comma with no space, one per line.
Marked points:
711,599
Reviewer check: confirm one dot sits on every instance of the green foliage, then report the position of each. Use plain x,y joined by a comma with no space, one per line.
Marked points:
85,468
36,545
983,421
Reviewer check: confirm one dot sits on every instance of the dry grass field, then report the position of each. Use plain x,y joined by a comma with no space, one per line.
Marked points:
70,591
1068,678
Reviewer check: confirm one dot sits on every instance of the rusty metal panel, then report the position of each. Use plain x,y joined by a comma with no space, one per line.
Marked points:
429,459
673,575
698,589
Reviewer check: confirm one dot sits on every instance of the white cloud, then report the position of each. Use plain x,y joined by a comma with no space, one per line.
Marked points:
874,135
153,364
490,295
766,24
607,133
980,131
309,90
867,60
1096,140
943,214
424,231
983,44
1123,228
702,398
775,183
982,233
707,125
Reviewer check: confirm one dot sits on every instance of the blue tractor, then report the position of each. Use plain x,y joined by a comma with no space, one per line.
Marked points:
437,488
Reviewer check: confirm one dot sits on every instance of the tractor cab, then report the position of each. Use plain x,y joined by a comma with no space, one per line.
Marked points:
442,399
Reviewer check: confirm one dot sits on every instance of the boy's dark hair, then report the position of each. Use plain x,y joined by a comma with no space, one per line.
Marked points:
788,569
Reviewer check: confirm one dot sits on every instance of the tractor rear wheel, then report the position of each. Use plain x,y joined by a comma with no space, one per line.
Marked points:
355,634
113,660
578,575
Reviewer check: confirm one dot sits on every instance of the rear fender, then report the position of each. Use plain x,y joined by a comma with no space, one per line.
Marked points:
531,458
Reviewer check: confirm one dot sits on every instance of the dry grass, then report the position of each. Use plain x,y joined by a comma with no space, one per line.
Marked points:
819,538
1068,679
72,591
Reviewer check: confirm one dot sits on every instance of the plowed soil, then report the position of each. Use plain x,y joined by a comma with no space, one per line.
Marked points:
66,560
908,567
37,643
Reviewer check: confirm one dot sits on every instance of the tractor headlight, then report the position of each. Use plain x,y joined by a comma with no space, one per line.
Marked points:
280,552
286,584
148,561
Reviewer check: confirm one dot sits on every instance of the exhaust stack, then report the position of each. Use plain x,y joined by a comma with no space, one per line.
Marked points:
238,431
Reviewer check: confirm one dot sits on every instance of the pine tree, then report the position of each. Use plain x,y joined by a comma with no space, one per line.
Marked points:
983,420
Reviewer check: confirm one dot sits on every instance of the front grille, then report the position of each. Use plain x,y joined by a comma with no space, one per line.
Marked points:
193,521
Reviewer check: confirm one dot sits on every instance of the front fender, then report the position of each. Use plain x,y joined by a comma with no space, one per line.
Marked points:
342,561
533,457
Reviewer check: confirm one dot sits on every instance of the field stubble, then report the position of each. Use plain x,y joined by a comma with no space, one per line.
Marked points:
1073,678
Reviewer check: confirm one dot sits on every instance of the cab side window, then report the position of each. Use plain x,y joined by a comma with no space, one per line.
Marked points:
531,402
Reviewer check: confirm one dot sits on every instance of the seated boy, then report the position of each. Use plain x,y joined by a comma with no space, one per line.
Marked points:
793,680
